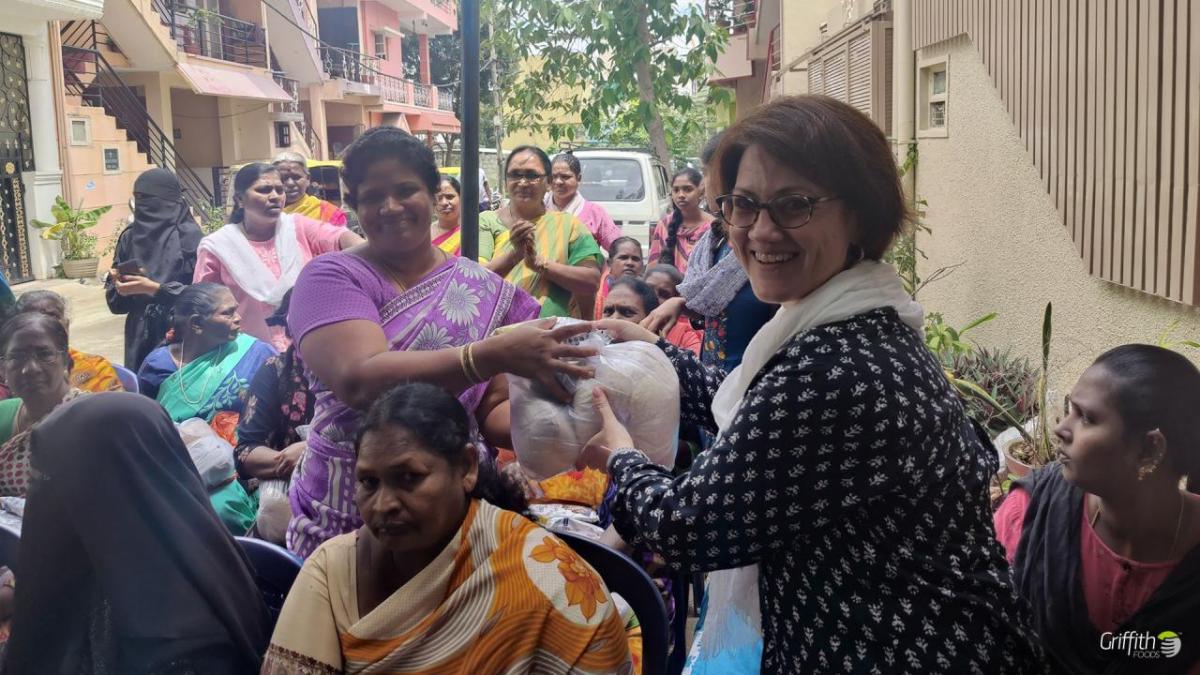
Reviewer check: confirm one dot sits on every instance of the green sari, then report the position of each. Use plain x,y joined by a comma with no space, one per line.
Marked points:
214,382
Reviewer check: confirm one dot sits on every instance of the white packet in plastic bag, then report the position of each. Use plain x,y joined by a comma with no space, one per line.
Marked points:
274,511
642,389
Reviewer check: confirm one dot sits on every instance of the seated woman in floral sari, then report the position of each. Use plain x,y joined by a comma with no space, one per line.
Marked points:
444,576
398,309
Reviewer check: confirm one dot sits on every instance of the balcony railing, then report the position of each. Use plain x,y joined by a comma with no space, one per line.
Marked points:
446,99
206,33
349,65
736,15
394,89
292,88
422,95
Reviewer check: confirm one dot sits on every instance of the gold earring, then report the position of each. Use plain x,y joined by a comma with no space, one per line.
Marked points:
1146,470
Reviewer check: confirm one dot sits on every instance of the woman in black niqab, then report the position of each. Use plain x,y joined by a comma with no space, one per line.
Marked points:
162,239
123,565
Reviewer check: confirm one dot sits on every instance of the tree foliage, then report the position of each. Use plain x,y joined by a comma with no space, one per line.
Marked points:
687,128
588,55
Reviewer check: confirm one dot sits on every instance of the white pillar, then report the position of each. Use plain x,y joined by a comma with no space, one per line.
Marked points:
44,183
904,66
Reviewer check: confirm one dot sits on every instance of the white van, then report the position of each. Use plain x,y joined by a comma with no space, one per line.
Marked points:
630,185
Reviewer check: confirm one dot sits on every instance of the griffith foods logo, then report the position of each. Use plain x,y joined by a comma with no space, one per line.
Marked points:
1138,645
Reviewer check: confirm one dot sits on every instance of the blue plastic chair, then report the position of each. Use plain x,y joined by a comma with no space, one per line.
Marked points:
128,379
626,578
275,569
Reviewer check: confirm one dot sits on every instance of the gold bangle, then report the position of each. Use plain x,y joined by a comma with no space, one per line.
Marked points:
478,378
462,361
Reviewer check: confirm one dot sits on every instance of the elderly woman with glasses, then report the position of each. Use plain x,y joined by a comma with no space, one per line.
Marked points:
36,363
843,509
549,254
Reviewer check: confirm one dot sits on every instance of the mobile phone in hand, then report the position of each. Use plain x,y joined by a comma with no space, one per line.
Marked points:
130,267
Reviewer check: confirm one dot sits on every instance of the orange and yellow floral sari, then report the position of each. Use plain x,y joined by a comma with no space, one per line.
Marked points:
505,596
94,374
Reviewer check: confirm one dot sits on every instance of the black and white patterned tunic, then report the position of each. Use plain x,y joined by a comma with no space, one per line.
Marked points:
851,476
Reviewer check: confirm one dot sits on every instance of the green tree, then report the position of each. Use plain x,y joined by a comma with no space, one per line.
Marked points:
687,128
598,56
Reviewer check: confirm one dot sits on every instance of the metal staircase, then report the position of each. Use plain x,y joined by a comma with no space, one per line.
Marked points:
89,78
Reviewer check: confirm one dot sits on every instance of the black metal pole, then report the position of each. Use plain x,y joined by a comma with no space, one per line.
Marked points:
468,12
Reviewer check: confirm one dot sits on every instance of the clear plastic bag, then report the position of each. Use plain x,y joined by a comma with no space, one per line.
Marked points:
213,457
274,511
642,389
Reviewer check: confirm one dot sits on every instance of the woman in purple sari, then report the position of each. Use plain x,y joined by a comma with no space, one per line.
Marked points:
397,309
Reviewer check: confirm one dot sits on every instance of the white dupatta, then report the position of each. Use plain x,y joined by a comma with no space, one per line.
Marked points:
573,208
230,245
733,605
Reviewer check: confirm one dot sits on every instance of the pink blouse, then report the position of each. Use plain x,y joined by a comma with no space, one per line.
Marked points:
1114,587
315,237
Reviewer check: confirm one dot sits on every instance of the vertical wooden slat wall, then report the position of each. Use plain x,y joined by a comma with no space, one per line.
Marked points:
1105,95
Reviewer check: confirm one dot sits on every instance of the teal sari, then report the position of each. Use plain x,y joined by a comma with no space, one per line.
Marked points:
214,382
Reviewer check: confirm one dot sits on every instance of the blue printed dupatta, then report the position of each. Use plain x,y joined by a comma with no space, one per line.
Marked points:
214,382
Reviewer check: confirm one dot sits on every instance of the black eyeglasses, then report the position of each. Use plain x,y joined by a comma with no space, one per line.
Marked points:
788,211
525,176
43,356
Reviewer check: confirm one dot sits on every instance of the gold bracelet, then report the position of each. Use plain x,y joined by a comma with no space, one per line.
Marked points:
462,361
471,365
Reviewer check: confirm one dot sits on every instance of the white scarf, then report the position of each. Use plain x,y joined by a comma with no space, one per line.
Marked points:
230,245
573,208
733,594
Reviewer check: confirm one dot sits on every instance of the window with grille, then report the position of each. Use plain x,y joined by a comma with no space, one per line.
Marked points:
283,134
381,46
933,88
112,160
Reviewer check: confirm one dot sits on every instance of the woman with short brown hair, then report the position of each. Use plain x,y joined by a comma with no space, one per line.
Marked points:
843,507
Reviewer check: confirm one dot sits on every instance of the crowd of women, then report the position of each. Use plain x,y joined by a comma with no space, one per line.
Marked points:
835,495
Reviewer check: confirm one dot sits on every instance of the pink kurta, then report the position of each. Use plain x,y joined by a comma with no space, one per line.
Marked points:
1114,587
594,217
315,237
685,241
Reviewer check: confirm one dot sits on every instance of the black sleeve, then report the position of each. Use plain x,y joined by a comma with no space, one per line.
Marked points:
117,303
263,415
810,442
698,385
168,292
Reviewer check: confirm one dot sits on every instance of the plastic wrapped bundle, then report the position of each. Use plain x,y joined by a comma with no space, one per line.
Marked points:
274,511
194,429
212,455
642,388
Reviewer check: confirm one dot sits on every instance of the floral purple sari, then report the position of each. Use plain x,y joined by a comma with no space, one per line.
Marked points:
458,303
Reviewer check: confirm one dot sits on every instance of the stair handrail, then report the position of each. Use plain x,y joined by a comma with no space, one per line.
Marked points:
124,103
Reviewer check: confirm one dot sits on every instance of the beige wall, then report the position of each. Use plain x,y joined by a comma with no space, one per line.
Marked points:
247,134
196,119
989,210
343,114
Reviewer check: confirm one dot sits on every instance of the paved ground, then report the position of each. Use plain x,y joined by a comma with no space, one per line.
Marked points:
94,329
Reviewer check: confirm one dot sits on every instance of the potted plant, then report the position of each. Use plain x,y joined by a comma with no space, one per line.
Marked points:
1030,444
70,231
